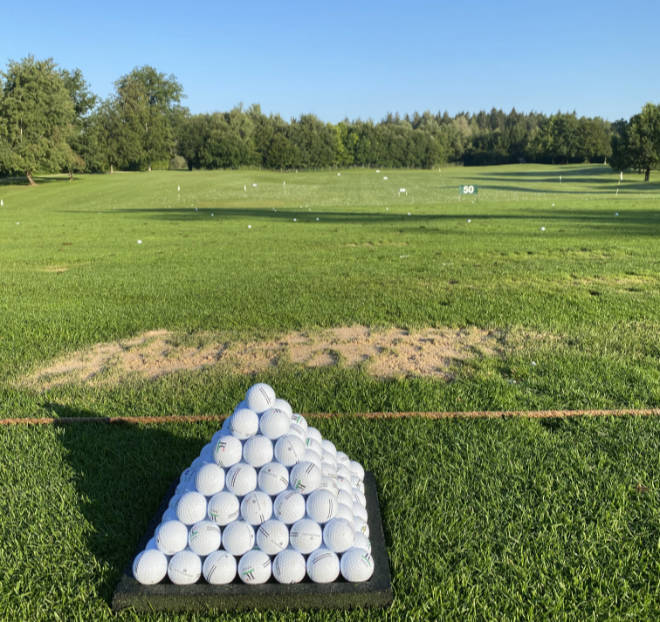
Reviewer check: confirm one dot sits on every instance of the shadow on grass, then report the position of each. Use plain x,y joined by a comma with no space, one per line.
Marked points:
122,472
629,222
43,179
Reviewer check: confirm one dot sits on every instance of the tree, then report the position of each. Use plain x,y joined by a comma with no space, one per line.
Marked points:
83,103
644,139
36,113
140,117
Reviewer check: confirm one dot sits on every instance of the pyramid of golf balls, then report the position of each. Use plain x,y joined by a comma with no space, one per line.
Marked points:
267,497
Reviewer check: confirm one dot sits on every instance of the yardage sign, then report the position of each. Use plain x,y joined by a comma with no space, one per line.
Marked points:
468,189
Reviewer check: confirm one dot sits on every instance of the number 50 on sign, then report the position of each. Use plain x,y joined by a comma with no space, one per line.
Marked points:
468,189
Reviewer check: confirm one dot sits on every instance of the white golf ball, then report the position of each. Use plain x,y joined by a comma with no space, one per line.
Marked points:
273,478
342,458
358,497
345,512
305,536
289,450
260,397
283,405
329,469
272,536
256,507
361,526
219,568
323,566
321,506
361,541
241,479
238,537
296,430
289,506
289,567
359,511
171,537
300,421
204,538
150,567
338,535
314,434
313,457
346,498
254,567
305,477
223,507
345,472
210,479
257,450
274,423
191,508
184,568
357,565
342,484
328,483
356,469
244,423
228,451
329,446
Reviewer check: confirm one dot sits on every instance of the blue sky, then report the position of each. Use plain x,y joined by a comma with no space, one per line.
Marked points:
359,59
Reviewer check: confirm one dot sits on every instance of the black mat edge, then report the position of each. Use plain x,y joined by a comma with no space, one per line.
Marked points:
377,592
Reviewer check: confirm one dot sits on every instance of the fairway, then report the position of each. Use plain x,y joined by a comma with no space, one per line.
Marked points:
170,293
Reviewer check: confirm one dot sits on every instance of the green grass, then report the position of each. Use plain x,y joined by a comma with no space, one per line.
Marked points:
505,519
484,520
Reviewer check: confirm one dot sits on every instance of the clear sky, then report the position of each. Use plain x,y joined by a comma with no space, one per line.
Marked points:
359,59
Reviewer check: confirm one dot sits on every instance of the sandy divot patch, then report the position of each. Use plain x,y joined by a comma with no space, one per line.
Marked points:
383,353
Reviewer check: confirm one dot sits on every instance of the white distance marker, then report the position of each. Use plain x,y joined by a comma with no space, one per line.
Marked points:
185,568
241,479
272,536
356,565
305,477
260,397
305,536
228,451
244,423
150,567
289,567
238,537
256,507
223,508
204,538
289,506
191,508
321,505
254,567
171,537
338,535
210,479
274,423
289,449
323,566
273,478
258,450
219,568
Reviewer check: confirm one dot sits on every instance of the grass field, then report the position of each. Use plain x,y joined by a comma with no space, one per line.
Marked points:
496,519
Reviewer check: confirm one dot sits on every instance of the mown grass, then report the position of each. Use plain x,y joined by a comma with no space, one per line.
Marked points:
505,519
484,520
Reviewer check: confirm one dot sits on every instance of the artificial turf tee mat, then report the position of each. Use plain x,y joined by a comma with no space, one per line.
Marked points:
340,594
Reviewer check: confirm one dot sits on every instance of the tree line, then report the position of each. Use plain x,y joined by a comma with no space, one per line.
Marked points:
50,121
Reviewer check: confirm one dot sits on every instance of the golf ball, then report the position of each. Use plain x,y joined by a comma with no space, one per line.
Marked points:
321,505
273,478
150,567
289,449
257,450
289,567
356,565
323,566
204,538
289,506
283,405
338,535
238,537
272,536
191,508
228,451
241,479
219,568
171,537
256,507
361,541
210,479
223,508
244,423
260,397
305,477
274,423
184,568
254,567
305,536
